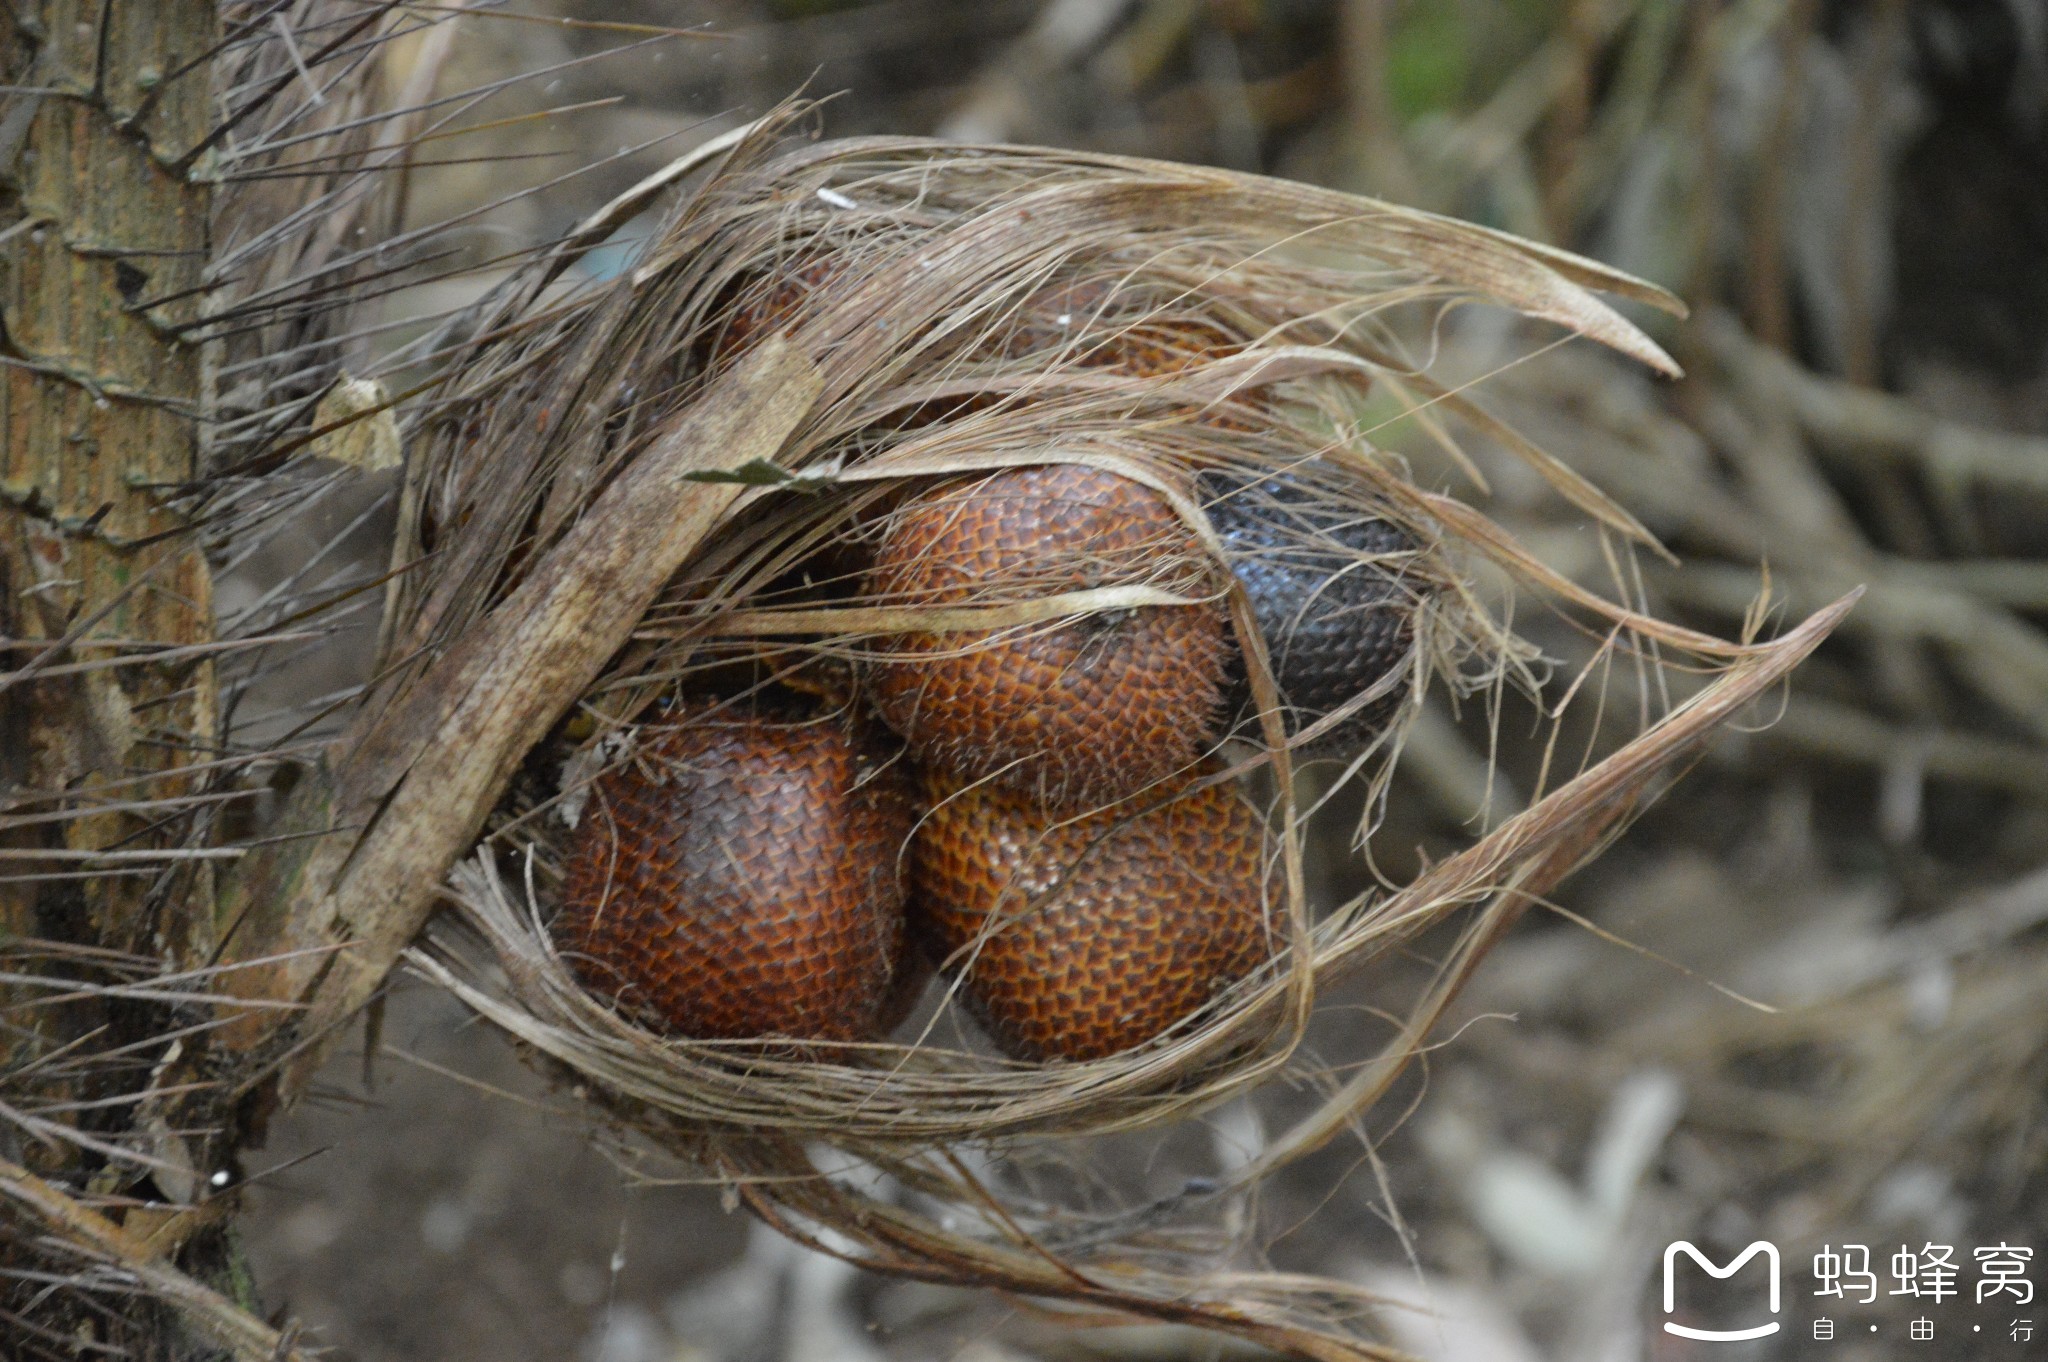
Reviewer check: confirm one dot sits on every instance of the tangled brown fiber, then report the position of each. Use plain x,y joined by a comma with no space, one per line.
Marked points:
922,354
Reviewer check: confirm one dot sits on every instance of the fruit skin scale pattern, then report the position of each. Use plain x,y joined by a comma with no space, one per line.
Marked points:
740,878
1078,713
1080,938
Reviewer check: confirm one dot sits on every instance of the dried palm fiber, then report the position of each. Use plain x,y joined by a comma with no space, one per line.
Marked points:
605,521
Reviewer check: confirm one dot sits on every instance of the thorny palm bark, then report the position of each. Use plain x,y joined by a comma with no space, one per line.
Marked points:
105,198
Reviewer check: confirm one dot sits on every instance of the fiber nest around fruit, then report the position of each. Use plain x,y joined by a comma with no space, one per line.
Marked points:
1075,490
998,315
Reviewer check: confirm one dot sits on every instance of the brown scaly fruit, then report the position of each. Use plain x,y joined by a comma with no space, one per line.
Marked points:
1076,713
1081,938
739,877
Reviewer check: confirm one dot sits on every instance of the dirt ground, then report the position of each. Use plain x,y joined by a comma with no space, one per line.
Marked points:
413,1216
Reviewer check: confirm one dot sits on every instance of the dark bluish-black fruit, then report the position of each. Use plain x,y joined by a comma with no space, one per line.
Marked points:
1336,623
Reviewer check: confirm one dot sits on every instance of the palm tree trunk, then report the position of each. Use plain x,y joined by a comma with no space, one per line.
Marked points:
108,706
